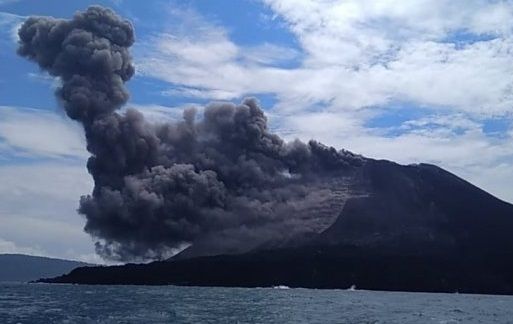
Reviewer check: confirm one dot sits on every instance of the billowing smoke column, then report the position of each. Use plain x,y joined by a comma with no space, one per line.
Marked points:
220,181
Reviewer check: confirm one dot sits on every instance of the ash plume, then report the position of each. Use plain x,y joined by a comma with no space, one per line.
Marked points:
219,180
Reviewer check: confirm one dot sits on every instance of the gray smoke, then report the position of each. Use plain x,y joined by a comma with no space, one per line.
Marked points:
221,181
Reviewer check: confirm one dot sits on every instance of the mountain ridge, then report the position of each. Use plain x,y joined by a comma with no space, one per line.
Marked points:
16,267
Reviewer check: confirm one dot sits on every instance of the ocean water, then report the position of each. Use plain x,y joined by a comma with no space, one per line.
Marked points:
43,303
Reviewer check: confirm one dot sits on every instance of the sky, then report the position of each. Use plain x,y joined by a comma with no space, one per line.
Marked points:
409,81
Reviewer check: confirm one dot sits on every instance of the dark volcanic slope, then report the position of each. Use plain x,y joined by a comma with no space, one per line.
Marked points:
421,204
418,228
23,268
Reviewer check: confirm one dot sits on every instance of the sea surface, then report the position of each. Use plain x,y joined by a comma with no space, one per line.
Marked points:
45,303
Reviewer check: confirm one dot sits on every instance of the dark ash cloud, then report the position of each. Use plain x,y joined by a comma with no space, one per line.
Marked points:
220,181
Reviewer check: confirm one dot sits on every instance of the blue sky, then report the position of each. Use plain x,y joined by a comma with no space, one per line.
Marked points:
416,81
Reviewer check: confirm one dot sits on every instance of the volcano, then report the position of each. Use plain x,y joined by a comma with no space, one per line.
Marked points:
411,228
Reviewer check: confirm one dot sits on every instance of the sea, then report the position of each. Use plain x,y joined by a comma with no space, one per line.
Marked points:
55,303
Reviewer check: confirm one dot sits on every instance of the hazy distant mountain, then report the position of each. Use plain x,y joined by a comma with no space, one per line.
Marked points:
416,227
20,267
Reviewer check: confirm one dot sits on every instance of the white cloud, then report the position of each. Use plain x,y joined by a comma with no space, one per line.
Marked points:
12,248
54,185
10,23
200,61
357,54
371,52
40,133
43,174
38,203
269,54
